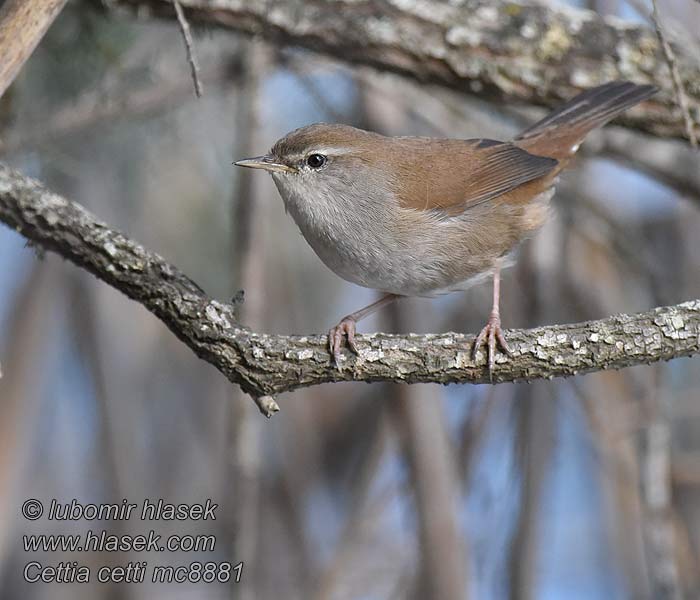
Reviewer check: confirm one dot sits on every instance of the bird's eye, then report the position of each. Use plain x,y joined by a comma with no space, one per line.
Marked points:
316,161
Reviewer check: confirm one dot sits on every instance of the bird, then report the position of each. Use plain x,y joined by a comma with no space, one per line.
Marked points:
421,216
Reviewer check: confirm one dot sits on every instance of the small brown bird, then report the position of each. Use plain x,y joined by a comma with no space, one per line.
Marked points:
416,216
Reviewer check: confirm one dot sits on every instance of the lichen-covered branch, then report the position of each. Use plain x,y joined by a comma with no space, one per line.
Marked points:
525,51
269,364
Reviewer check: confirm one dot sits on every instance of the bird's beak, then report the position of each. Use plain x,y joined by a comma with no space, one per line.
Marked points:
266,162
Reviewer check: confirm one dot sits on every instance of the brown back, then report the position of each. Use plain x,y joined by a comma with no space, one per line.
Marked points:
486,170
452,176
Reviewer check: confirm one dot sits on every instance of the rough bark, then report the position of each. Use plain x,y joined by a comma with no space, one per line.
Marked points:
525,51
269,364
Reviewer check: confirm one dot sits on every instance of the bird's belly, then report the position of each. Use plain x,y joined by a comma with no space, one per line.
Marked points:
392,266
403,253
393,272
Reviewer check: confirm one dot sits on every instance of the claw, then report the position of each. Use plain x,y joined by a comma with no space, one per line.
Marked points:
346,328
493,330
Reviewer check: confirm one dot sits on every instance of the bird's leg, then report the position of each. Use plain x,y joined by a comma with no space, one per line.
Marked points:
493,327
346,326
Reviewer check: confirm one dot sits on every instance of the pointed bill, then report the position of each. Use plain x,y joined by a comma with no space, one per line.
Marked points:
266,162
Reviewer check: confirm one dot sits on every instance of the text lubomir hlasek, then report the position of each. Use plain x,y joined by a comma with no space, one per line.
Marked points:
157,510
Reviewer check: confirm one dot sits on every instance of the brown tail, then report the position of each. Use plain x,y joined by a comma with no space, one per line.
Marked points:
559,134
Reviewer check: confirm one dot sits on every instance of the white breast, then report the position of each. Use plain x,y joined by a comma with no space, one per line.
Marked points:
361,245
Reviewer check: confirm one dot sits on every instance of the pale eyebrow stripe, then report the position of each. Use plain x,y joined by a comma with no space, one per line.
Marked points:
328,150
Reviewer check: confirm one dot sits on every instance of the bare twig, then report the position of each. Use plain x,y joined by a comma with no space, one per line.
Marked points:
672,62
269,364
673,28
187,37
22,25
267,405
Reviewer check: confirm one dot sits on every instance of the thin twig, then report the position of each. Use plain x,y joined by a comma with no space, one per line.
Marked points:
187,36
267,405
670,57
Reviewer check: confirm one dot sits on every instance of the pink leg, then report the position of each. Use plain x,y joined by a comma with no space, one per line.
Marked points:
346,326
493,327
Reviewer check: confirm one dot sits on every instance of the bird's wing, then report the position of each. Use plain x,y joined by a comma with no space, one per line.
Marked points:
452,176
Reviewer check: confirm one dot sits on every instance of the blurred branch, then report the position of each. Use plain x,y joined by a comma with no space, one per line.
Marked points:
359,516
534,437
685,470
443,568
673,164
534,433
268,364
678,86
98,106
619,472
22,25
245,464
84,325
529,52
659,529
23,344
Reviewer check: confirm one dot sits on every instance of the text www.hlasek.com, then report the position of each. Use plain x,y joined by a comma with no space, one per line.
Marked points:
103,541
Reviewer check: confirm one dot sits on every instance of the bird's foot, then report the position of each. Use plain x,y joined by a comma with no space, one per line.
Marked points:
493,331
346,328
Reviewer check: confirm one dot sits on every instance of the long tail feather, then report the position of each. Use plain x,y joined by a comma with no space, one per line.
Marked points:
559,134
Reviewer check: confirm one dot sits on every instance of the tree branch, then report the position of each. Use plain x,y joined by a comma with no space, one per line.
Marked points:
22,25
265,365
525,51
